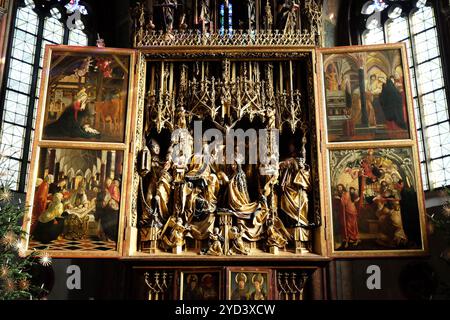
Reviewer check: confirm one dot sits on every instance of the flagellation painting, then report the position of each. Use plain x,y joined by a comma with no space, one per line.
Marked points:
366,96
374,200
77,201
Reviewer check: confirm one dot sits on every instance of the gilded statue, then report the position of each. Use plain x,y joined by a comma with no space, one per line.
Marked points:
203,186
216,241
169,7
181,152
205,15
286,15
251,8
295,185
275,238
151,170
173,233
250,215
237,245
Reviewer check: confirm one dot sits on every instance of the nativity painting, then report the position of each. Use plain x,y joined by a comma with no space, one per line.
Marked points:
366,96
374,200
87,97
77,200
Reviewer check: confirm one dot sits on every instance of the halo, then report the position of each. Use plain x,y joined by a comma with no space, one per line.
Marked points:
236,277
262,278
205,276
190,277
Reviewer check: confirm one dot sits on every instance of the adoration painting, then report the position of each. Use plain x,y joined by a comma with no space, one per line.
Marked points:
376,200
86,96
77,201
200,285
366,95
249,284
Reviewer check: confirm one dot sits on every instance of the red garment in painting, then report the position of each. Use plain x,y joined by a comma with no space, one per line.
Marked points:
76,108
349,218
114,192
40,204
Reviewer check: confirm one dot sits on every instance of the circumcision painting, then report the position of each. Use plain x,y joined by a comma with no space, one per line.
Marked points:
86,96
249,284
77,201
200,285
366,95
376,201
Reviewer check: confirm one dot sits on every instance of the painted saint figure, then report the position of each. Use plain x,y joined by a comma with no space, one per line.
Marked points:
241,292
374,88
391,233
391,101
193,290
51,222
208,287
258,293
73,121
348,215
40,200
107,209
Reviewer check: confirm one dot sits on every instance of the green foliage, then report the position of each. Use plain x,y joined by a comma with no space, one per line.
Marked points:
15,280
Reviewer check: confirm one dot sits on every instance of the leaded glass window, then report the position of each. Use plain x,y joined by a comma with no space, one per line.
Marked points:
414,23
32,29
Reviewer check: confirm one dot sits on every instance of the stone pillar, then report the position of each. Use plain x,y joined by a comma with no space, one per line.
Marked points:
56,171
118,165
102,174
108,164
43,163
362,91
51,162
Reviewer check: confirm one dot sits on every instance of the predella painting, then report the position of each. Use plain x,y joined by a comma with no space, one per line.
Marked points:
248,284
375,200
77,199
86,97
198,285
365,96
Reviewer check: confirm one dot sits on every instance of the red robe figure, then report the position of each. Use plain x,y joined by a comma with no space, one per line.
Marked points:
348,215
114,190
40,202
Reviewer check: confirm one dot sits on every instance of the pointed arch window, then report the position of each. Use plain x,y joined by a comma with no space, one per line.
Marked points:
35,24
226,16
414,23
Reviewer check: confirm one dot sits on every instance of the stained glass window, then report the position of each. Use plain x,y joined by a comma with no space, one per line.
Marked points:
414,23
31,32
226,17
